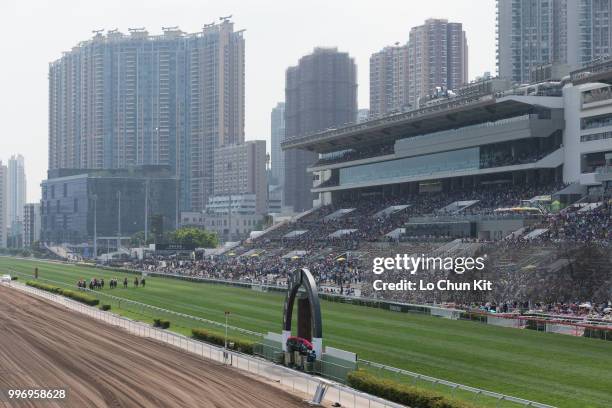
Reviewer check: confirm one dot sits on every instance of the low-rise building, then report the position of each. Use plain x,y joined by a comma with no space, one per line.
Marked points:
241,170
31,224
192,219
14,234
232,217
115,202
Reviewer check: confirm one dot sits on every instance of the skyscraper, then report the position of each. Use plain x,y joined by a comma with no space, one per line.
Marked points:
320,92
16,190
277,121
438,56
530,33
3,204
126,100
589,30
389,80
537,32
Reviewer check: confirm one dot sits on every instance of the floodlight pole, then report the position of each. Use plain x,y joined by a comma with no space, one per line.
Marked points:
95,226
230,218
119,221
146,214
226,322
177,204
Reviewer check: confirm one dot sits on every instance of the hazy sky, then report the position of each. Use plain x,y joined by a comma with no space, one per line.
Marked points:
277,33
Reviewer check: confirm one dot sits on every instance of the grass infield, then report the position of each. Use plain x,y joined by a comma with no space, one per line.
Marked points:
555,369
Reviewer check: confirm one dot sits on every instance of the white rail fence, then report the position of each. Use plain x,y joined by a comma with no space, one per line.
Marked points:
148,331
293,381
454,386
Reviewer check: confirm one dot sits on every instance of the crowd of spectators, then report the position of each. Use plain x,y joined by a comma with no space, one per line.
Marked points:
503,195
589,226
334,273
371,223
267,259
508,158
350,277
574,310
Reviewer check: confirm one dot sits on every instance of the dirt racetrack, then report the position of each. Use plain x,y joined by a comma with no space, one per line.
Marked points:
43,345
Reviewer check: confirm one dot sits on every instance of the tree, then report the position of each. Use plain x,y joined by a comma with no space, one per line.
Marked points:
191,236
137,240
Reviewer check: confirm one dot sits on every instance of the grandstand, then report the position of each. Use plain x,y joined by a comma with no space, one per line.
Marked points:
520,177
478,168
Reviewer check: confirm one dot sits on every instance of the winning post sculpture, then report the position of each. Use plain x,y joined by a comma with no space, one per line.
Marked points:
309,310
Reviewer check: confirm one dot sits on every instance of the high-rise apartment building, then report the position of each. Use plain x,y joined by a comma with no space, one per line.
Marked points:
16,190
3,204
438,57
277,121
320,92
389,80
241,170
589,30
530,33
31,224
127,100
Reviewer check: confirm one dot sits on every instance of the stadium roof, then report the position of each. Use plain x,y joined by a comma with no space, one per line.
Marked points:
596,71
451,114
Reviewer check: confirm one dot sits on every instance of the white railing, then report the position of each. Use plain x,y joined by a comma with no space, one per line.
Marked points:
291,380
296,381
240,360
455,386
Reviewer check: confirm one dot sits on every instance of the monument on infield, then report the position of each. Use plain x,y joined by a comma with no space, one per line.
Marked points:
308,310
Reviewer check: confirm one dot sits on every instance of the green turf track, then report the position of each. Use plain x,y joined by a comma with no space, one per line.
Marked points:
560,370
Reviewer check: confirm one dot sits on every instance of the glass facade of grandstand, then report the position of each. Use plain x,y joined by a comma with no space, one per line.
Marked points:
597,95
510,153
458,160
594,122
